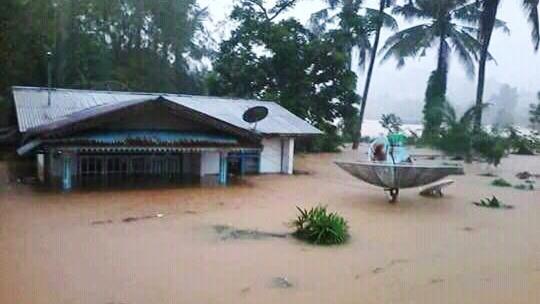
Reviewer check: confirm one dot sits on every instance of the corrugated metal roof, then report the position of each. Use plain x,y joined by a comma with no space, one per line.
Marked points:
33,110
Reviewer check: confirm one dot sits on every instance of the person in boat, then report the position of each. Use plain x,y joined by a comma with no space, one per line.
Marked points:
389,149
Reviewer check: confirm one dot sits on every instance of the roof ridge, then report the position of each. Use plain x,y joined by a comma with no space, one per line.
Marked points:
157,94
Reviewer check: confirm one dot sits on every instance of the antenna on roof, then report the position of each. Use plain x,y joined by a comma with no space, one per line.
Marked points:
49,77
255,114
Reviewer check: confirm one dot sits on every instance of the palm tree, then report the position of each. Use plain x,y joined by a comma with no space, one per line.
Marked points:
442,31
355,30
531,8
381,19
488,22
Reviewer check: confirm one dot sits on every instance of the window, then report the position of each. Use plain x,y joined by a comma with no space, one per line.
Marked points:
90,165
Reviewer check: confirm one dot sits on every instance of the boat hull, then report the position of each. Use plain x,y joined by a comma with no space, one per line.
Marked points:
399,176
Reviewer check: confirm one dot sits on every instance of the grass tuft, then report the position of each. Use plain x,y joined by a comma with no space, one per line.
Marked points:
318,226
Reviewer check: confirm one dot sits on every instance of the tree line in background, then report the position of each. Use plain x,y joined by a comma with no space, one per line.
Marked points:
120,44
149,45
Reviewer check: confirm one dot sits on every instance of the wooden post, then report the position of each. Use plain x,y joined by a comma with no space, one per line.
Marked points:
66,172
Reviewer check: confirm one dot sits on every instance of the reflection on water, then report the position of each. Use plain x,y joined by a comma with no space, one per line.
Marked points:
132,182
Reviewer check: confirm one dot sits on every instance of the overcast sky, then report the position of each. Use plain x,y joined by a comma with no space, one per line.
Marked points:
517,66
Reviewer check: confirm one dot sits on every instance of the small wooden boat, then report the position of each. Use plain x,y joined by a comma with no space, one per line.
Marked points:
393,177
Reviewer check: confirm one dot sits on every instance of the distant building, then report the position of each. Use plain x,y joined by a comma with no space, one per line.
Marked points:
81,136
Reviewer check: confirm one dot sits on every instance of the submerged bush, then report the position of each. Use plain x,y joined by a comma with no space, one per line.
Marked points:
318,226
493,202
501,182
528,187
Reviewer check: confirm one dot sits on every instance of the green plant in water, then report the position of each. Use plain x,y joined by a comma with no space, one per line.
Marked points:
493,202
501,182
528,187
318,226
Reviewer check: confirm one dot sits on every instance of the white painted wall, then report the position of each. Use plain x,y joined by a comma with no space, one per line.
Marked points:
209,163
271,158
271,155
288,157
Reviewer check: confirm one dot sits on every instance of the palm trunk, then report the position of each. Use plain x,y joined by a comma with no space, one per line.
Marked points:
480,90
373,56
489,17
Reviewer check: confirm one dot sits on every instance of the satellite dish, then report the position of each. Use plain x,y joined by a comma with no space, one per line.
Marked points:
255,114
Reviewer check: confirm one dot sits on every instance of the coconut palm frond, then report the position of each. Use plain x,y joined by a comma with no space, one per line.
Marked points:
333,3
449,114
364,48
388,21
469,13
466,51
472,30
408,43
409,11
468,116
473,45
531,8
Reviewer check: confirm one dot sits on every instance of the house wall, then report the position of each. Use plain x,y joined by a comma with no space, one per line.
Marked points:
277,155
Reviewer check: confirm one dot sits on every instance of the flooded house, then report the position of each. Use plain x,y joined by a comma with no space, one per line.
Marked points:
79,137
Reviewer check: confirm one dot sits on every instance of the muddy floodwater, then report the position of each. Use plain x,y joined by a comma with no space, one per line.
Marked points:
231,245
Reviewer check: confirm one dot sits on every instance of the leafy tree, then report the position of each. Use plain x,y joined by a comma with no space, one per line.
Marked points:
534,113
488,22
531,9
457,137
127,44
391,122
440,28
285,62
356,26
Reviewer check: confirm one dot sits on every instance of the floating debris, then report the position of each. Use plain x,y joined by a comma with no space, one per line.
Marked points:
102,222
245,290
228,232
301,172
281,282
489,174
524,175
139,218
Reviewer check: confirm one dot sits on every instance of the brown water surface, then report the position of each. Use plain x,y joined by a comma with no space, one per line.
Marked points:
79,248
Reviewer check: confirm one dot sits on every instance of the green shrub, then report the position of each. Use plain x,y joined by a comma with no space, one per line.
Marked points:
501,182
527,187
493,202
520,143
492,147
318,226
